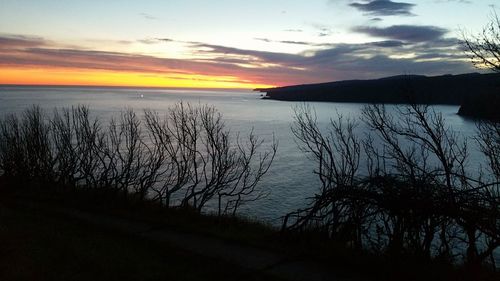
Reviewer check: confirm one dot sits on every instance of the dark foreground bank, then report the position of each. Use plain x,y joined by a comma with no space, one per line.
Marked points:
56,234
45,243
89,235
72,168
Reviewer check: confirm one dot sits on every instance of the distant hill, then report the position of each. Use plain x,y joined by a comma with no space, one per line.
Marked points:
445,89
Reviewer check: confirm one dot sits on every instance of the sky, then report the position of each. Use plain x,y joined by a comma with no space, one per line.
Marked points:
233,43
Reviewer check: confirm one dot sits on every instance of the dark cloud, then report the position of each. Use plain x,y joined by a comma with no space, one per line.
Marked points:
384,8
261,56
408,33
10,41
381,66
293,30
442,43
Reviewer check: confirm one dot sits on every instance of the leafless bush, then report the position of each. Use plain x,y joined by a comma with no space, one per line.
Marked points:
173,151
186,158
12,153
204,161
337,154
488,138
63,134
25,146
415,195
421,173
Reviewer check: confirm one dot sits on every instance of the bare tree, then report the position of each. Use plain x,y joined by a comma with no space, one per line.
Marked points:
337,155
174,137
484,48
484,52
415,196
222,166
63,138
12,153
187,158
427,160
250,166
488,139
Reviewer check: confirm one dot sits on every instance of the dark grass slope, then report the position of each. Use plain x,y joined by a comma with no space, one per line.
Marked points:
42,244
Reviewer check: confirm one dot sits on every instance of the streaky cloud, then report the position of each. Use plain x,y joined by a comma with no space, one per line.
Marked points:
150,41
293,42
264,40
148,16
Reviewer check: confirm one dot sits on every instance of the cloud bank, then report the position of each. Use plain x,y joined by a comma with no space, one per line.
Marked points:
408,49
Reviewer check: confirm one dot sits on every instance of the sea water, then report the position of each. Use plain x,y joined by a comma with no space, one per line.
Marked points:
290,182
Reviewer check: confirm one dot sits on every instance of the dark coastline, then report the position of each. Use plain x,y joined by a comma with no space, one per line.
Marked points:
445,89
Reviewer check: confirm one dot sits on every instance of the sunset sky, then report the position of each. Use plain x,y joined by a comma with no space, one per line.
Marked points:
232,43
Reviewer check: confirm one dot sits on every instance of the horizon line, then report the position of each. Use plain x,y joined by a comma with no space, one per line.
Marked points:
118,86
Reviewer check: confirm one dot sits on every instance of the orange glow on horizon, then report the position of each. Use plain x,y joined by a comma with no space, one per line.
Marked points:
84,77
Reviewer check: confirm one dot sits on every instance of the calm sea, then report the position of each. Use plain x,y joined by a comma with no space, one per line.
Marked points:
290,180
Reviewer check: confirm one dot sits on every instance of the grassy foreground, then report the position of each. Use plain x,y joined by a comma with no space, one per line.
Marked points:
39,244
42,244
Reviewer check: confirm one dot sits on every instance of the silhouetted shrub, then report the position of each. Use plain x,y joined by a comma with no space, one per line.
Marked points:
186,158
414,197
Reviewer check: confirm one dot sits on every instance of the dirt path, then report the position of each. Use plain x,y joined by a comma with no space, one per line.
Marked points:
257,260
